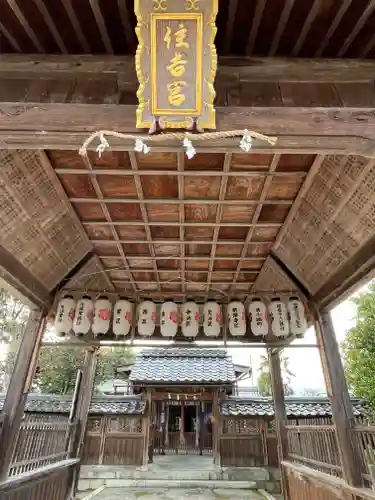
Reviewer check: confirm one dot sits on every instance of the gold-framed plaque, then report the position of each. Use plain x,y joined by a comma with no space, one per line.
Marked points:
176,63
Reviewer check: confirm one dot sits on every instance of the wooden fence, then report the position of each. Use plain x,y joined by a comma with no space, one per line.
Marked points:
315,446
243,442
364,438
50,482
114,440
42,440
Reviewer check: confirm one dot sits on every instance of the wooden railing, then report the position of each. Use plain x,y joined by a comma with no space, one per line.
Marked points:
364,436
314,446
305,483
50,482
42,440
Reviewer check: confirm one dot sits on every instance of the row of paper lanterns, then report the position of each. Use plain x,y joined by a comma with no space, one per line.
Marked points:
280,317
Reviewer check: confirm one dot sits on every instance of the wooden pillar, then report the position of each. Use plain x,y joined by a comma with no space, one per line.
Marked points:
146,429
342,410
280,415
82,412
166,425
197,406
216,427
19,386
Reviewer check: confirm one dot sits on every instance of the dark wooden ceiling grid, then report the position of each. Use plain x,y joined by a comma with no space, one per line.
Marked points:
307,28
160,224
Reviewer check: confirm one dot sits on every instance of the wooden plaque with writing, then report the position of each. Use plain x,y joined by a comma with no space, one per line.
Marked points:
176,62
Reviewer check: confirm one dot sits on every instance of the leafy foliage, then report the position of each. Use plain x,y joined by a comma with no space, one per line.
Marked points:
13,317
359,348
264,378
58,367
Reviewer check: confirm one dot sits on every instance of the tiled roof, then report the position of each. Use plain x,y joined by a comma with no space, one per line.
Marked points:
299,408
124,405
176,365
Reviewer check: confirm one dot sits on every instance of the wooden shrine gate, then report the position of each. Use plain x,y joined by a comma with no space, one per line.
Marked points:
182,427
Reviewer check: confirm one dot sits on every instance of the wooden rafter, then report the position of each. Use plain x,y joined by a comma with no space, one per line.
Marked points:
306,26
332,29
255,219
184,173
219,215
177,224
76,25
124,16
13,42
138,185
181,195
186,201
51,25
177,257
259,9
232,10
107,215
281,26
357,28
177,242
25,25
101,25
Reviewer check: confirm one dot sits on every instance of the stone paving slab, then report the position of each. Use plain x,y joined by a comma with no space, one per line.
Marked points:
177,494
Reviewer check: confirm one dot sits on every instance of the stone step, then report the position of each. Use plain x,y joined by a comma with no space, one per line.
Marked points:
226,474
93,484
170,493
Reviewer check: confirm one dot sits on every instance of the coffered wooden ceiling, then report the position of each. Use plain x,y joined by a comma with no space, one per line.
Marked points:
305,28
160,226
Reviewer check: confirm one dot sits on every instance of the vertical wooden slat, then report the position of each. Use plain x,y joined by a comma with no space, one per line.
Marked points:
19,387
342,410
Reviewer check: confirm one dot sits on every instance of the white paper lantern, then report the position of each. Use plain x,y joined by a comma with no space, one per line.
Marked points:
122,317
102,316
83,316
65,315
298,322
236,319
279,318
146,318
212,319
258,317
190,319
168,319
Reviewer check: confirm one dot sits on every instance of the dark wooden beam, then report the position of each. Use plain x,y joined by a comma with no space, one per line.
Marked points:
232,10
342,410
259,69
13,42
51,25
306,26
281,26
334,25
20,278
25,25
19,388
76,25
259,9
357,28
280,413
101,25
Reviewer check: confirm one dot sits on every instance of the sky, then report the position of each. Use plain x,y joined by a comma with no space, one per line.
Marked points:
304,362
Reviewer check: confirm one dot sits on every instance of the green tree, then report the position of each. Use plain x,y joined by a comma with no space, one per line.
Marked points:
58,366
264,378
13,317
358,349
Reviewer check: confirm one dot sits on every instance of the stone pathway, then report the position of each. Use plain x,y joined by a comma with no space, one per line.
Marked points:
175,494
